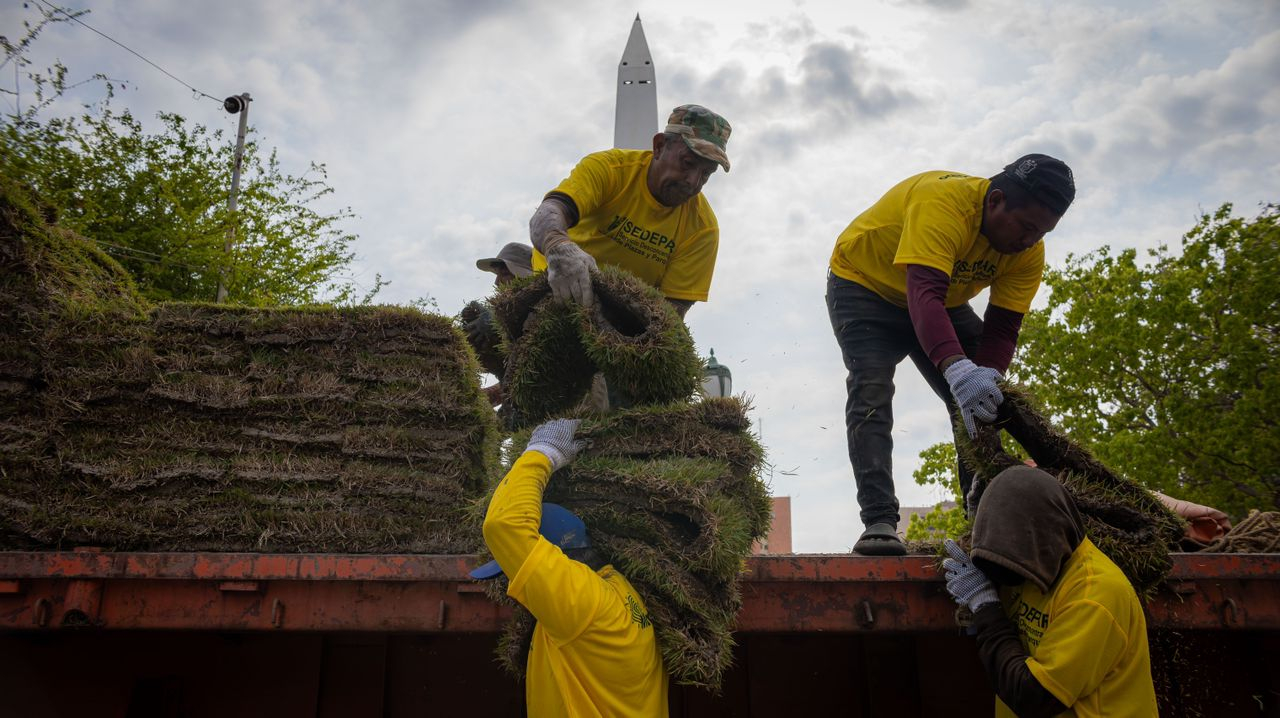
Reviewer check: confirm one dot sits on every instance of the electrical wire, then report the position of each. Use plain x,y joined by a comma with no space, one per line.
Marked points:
131,254
199,93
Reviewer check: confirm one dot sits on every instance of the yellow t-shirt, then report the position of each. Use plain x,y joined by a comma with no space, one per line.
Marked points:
1087,639
934,219
594,652
621,224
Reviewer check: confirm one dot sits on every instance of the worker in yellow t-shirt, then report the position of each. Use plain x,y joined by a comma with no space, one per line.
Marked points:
1065,633
639,210
902,274
593,651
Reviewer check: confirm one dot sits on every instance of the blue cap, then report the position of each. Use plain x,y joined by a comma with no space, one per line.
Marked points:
559,526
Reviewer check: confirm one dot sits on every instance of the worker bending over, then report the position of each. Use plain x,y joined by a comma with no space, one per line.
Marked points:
593,651
902,274
639,210
1064,633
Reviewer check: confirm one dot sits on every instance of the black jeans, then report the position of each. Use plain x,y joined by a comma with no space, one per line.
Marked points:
874,337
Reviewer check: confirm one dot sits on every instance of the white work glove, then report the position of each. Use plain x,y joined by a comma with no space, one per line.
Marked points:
569,272
974,388
966,583
554,439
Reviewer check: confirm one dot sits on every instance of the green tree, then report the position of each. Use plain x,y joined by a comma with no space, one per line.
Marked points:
1168,370
938,468
158,201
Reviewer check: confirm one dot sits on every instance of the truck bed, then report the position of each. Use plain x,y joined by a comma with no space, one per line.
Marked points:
192,634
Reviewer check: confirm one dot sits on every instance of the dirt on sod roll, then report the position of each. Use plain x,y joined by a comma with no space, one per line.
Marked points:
632,335
193,427
672,498
1123,519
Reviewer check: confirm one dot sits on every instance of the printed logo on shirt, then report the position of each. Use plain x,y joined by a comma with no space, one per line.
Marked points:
651,245
954,175
637,615
963,272
1032,622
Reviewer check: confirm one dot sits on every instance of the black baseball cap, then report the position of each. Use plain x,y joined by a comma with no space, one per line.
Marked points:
1047,179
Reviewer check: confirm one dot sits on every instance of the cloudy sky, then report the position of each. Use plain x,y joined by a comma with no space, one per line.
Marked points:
443,123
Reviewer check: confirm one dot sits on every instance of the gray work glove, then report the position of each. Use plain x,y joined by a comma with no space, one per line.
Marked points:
966,583
554,440
569,272
976,393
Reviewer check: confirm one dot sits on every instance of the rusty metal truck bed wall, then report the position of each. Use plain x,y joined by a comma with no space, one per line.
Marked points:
415,593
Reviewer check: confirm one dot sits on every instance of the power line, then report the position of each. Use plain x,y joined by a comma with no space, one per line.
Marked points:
132,253
55,8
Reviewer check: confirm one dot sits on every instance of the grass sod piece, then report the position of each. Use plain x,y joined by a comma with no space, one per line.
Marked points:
678,525
140,453
693,614
1123,519
685,503
641,345
631,334
227,519
548,371
316,324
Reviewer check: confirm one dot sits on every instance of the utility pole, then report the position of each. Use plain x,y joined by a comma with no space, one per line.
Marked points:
234,104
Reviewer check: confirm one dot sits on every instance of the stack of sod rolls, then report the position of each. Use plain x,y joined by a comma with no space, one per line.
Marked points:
207,427
631,335
66,310
1123,519
672,498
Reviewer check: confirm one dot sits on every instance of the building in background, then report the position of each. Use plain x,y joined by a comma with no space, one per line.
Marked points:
635,119
906,512
779,538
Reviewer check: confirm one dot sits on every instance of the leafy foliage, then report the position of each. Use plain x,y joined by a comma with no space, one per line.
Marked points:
1168,370
939,469
157,201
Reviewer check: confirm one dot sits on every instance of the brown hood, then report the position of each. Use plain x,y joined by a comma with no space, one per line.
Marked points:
1028,524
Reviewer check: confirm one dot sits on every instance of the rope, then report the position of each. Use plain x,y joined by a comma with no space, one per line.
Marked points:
1259,532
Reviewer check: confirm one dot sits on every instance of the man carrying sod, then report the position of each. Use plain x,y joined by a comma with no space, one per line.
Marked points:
1064,633
639,210
593,651
901,278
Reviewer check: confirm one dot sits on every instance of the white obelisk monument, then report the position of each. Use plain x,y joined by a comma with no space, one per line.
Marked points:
635,120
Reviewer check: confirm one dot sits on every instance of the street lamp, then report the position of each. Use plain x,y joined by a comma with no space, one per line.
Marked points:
717,380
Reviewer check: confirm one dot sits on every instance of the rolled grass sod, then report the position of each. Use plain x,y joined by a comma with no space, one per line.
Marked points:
631,335
1123,519
672,498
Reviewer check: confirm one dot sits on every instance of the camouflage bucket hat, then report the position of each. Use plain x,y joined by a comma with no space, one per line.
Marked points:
705,132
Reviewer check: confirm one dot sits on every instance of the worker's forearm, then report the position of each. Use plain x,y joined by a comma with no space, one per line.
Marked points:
1000,328
927,305
515,512
1002,654
551,221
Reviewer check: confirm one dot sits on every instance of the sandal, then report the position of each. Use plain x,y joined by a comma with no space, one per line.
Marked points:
880,539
